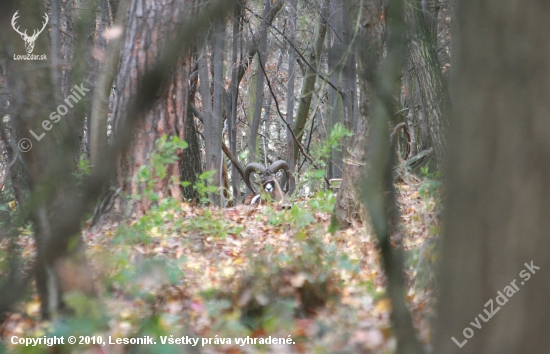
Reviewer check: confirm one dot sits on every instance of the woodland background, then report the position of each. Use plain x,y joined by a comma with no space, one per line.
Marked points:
415,131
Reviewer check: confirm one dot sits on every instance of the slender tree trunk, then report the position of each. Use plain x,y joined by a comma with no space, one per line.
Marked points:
252,48
369,49
495,243
55,45
349,76
214,161
191,166
335,66
308,84
206,103
100,104
259,101
83,69
290,93
376,186
232,126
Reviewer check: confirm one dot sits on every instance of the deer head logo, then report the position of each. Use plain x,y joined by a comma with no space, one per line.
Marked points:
29,40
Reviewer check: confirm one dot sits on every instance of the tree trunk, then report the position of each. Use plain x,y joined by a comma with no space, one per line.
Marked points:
433,89
498,200
214,161
49,166
148,32
349,75
290,94
308,84
100,103
259,101
369,50
335,66
234,91
409,102
191,166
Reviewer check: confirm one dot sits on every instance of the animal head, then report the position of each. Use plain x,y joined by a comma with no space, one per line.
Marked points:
269,184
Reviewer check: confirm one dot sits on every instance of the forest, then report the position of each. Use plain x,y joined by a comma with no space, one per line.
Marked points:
274,176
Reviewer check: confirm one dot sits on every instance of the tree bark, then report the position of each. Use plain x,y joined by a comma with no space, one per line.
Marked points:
215,160
290,94
498,200
433,88
191,166
409,101
259,100
234,91
308,84
149,29
335,65
100,103
369,48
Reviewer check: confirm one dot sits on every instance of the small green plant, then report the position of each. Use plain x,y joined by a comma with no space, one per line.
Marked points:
161,215
204,186
431,183
299,217
322,152
323,201
333,142
209,224
83,169
165,154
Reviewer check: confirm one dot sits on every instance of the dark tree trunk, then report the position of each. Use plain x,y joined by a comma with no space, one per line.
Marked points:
150,26
498,200
191,165
435,95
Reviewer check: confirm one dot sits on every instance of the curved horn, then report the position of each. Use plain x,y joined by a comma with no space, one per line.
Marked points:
252,167
280,165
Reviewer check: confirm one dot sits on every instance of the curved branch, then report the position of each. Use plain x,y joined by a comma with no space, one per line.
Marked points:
225,149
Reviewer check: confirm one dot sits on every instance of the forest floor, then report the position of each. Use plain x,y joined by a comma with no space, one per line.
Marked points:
242,273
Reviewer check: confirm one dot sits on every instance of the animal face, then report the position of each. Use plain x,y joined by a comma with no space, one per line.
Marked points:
269,187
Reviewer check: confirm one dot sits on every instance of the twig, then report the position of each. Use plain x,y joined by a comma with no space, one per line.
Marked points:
306,155
302,56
